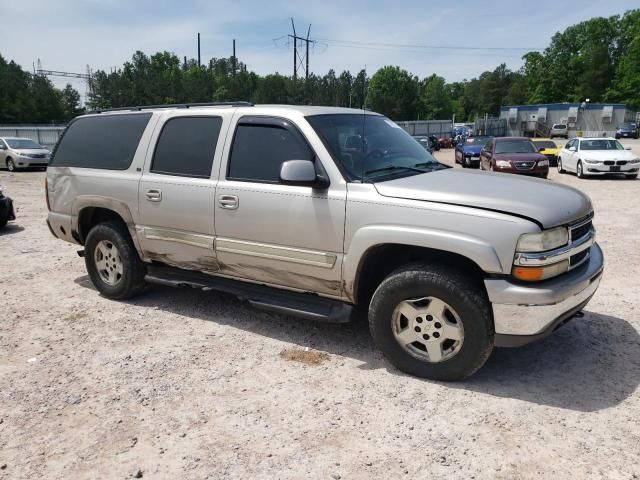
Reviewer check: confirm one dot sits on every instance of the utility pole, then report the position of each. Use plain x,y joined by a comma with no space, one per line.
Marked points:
233,59
199,64
297,59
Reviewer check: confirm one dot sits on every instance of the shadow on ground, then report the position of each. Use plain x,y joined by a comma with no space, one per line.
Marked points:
10,229
590,364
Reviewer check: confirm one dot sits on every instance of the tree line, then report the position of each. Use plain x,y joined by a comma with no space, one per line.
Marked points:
597,59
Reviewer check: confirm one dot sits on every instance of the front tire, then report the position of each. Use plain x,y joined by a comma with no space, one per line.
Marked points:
559,165
11,166
579,172
113,262
432,322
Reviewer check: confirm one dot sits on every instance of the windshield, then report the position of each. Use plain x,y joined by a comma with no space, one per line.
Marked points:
628,126
544,144
601,145
515,146
372,148
478,141
559,126
22,143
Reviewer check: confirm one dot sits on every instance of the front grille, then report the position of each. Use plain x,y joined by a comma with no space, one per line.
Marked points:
578,257
524,165
621,162
32,164
581,230
609,162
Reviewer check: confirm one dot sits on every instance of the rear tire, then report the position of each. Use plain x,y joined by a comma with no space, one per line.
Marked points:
113,262
465,305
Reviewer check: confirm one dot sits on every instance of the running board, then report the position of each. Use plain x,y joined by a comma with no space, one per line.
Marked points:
303,305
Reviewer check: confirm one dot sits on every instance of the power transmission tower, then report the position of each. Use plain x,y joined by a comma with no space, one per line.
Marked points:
299,60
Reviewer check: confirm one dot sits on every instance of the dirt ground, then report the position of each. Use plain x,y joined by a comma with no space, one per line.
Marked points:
185,384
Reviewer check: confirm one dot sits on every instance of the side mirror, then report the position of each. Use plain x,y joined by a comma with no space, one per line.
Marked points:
572,149
301,173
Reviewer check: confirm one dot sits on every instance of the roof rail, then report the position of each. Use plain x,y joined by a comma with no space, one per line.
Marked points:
175,105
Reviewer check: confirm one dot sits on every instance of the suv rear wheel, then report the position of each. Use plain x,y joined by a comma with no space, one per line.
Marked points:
432,322
113,263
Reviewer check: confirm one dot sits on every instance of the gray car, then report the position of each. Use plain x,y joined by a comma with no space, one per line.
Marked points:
559,130
325,213
17,153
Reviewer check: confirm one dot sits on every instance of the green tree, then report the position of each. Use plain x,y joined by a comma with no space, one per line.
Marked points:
435,99
394,93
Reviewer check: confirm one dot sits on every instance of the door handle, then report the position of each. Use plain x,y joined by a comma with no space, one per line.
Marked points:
154,195
230,202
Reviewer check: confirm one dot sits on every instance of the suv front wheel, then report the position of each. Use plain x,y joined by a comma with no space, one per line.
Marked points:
431,321
113,262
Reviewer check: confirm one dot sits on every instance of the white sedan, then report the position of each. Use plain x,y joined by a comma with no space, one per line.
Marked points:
597,156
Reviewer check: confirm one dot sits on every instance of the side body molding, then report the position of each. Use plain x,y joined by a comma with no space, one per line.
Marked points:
473,248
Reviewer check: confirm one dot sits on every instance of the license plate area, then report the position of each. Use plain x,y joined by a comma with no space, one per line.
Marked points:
615,168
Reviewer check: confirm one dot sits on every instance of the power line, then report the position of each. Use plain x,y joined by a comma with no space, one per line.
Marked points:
355,43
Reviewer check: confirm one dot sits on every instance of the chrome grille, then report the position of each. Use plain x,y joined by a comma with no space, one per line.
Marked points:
580,230
524,165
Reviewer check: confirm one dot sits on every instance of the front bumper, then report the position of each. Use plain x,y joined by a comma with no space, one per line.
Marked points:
28,162
601,169
525,313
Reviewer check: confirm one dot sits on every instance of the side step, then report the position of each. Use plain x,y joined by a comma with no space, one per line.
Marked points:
304,305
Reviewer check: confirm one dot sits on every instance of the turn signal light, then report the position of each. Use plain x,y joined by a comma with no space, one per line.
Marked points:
536,274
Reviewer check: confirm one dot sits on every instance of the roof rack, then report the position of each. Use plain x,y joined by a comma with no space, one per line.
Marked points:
175,105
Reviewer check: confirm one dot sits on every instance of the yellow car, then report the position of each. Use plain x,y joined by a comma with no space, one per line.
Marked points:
548,148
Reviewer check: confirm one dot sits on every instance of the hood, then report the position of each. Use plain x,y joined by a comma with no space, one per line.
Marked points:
607,154
519,157
548,204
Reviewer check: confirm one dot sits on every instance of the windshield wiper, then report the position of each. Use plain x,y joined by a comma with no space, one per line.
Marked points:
391,168
433,165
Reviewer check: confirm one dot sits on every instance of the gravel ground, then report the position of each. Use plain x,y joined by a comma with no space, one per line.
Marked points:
179,383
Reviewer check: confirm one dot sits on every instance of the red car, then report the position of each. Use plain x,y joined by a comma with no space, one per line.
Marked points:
514,155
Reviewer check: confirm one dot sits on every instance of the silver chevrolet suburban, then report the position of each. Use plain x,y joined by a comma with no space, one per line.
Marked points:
324,213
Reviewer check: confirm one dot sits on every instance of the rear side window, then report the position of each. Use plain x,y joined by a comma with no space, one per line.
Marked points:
108,142
186,146
259,150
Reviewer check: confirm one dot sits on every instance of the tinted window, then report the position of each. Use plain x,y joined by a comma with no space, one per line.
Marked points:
259,150
105,141
544,144
186,146
515,146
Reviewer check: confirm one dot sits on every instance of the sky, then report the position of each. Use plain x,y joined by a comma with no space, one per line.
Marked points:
464,37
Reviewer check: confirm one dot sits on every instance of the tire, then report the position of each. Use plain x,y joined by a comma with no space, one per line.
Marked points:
559,165
464,302
11,166
579,172
124,264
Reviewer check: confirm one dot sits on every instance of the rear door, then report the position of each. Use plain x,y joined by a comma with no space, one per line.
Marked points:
177,190
273,233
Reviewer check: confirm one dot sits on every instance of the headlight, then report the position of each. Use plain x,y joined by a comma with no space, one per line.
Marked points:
543,163
535,274
543,241
635,160
592,162
503,164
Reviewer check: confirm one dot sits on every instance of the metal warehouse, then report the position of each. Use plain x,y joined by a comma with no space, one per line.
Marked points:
582,119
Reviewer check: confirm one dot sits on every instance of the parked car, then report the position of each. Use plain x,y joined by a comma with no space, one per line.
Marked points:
17,153
559,130
275,205
548,148
7,212
627,130
514,155
598,156
467,153
425,141
435,142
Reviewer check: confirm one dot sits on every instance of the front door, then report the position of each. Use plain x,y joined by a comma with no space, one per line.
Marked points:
177,192
273,233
